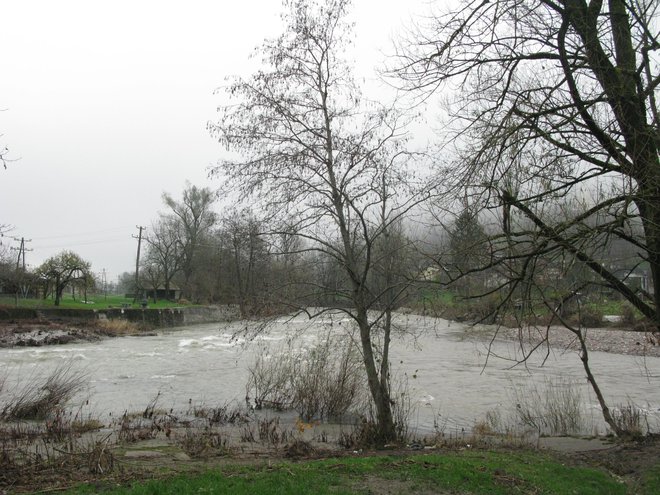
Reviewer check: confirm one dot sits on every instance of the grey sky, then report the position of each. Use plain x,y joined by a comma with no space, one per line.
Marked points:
106,104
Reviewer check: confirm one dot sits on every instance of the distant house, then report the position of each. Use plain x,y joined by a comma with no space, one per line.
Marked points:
637,281
171,294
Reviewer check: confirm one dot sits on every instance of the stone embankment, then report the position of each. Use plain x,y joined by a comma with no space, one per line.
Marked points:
37,327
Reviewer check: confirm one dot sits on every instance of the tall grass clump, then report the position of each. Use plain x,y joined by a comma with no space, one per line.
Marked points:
39,398
327,379
268,384
116,328
555,408
321,382
630,418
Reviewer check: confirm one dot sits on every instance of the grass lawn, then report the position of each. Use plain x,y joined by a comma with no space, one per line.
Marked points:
94,301
469,472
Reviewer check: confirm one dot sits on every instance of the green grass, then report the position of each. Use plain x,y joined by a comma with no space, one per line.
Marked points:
94,301
443,297
650,482
466,473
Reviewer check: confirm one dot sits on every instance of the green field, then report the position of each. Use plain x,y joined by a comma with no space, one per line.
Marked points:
469,472
94,301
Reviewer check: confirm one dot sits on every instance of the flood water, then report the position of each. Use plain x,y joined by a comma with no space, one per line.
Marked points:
447,376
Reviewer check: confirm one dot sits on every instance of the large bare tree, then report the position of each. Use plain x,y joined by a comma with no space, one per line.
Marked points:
556,98
553,111
325,170
164,252
192,218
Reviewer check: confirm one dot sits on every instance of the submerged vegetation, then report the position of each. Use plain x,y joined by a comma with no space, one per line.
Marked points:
166,444
46,439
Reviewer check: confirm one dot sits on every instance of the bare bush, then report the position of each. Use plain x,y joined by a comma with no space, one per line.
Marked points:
323,382
327,380
202,443
221,415
269,381
629,419
554,409
40,398
114,328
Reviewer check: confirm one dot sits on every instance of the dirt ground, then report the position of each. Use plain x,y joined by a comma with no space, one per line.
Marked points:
142,460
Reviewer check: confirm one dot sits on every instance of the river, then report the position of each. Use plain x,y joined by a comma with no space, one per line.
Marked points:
447,377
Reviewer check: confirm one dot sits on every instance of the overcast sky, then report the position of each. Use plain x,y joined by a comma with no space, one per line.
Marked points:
106,105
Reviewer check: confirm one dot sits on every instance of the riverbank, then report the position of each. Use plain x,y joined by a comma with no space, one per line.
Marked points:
34,328
470,465
37,333
186,429
53,330
611,340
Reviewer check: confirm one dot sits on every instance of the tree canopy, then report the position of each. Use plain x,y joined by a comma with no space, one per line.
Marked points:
62,270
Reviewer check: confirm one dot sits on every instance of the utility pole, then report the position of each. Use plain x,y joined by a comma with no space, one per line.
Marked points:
21,251
21,287
137,262
105,291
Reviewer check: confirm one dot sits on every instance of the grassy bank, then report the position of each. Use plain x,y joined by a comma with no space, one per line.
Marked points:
233,449
467,472
94,301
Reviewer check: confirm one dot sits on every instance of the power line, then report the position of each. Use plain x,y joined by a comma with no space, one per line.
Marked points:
80,234
105,240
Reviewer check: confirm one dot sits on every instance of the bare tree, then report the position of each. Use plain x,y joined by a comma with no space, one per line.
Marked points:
558,98
163,260
243,233
194,220
324,170
555,107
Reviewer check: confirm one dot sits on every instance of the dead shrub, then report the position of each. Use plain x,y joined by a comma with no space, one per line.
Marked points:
629,419
366,434
269,380
270,431
323,382
40,398
202,443
221,415
113,328
553,409
247,434
327,380
299,449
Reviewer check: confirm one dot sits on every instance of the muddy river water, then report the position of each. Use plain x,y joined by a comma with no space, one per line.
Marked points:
452,380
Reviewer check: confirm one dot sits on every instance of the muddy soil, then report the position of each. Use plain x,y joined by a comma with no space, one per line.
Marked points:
628,461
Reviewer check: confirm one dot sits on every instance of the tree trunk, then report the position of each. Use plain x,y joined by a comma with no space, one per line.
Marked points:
380,393
650,213
607,415
59,288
